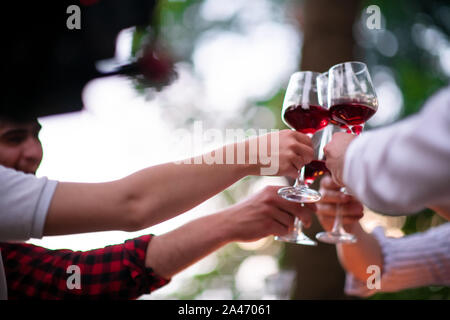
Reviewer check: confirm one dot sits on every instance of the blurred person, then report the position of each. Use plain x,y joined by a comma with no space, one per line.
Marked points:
33,207
421,259
402,168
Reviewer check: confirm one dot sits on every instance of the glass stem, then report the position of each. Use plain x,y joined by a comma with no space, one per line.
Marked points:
300,181
298,224
337,227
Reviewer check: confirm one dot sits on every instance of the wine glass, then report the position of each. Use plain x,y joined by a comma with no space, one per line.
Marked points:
337,233
311,172
320,139
303,112
351,96
352,101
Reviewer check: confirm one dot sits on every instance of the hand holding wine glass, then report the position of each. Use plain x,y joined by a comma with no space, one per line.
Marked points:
332,200
352,101
302,112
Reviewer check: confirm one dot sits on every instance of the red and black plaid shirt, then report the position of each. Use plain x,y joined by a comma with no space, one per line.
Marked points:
113,272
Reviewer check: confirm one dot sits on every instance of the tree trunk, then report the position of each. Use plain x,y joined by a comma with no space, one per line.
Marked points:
327,33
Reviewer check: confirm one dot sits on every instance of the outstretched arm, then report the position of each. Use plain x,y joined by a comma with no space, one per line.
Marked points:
402,168
261,215
161,192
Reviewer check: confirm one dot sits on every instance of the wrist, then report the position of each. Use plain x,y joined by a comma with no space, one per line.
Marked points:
225,224
218,228
243,158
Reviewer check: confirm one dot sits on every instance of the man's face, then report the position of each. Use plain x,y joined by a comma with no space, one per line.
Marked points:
20,147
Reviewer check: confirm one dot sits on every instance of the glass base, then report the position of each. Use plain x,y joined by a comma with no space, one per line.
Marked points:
299,194
333,238
298,238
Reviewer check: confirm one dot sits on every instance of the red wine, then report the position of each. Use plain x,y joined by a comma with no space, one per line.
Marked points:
351,113
356,130
313,170
341,125
306,120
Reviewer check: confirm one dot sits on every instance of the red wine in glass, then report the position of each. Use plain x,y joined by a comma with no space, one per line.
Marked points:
306,120
352,100
341,125
351,114
314,169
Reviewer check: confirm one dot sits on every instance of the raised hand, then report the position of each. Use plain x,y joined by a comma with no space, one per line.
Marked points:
281,153
326,208
264,214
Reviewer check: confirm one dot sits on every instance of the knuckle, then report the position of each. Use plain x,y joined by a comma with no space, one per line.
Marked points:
292,144
292,155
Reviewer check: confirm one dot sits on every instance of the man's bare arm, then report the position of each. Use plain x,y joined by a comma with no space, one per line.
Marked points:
158,193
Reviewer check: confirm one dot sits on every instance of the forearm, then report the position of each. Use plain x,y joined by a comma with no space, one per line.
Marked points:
174,251
413,261
385,167
171,189
140,200
356,257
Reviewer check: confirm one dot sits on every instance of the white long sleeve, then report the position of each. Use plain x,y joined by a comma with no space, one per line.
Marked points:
405,167
421,259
